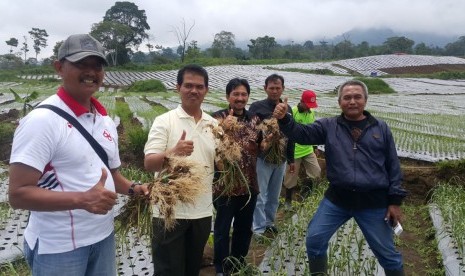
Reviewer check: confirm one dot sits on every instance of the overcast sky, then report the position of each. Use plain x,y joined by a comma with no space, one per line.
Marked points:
293,20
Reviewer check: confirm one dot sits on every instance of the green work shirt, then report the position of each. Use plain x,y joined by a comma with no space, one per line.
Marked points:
303,118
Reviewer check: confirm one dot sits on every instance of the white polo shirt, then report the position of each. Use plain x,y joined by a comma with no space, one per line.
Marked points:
165,133
46,141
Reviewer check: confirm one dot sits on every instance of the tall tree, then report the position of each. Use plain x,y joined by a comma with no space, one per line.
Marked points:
362,49
25,48
261,48
112,34
309,45
56,48
182,33
193,51
344,49
123,26
456,48
149,47
398,44
223,44
39,39
168,53
13,42
422,49
323,48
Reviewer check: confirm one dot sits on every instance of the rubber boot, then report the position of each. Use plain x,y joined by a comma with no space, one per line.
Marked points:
318,266
394,272
307,186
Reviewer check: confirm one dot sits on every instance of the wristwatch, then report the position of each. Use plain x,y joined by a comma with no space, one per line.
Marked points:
131,188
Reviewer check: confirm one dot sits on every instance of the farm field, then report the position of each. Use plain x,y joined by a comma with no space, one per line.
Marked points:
425,115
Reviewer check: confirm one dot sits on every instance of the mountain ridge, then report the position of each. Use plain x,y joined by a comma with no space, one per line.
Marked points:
374,36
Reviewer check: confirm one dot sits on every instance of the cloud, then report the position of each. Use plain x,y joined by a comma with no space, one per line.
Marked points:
296,20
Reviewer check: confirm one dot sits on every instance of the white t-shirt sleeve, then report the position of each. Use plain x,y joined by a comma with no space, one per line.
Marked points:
36,139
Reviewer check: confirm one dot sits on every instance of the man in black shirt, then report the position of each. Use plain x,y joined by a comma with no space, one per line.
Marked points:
270,176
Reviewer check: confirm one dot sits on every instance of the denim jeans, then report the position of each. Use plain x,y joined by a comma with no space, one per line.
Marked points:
270,179
378,234
92,260
240,208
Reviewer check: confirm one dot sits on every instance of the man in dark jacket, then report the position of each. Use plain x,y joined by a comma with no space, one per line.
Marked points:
269,174
364,175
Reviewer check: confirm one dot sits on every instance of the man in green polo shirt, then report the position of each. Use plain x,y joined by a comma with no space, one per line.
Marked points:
303,154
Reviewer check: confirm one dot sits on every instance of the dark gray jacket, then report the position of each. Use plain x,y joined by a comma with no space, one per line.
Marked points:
369,164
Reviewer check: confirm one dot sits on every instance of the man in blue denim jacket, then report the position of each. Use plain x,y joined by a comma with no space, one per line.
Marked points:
364,175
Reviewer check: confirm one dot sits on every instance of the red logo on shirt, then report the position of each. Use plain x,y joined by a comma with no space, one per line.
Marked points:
107,135
70,125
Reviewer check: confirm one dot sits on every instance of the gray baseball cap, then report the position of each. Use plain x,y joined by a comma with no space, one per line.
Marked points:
79,46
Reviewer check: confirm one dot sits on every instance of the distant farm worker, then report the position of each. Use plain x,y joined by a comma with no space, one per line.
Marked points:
304,155
183,131
364,175
270,174
57,175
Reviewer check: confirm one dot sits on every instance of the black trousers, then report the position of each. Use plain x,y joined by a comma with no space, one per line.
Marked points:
227,209
179,252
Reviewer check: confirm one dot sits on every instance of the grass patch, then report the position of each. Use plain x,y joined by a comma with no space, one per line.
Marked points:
8,75
452,169
306,71
146,86
16,268
5,211
137,174
455,165
445,75
376,86
7,130
122,111
137,137
159,109
449,75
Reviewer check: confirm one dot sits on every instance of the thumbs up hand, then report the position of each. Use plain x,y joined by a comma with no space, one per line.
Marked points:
183,147
99,200
280,109
229,120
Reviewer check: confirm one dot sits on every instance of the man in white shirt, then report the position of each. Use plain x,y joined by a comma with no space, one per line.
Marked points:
57,175
183,131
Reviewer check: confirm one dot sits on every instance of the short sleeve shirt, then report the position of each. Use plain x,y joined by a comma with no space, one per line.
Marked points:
48,143
165,133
